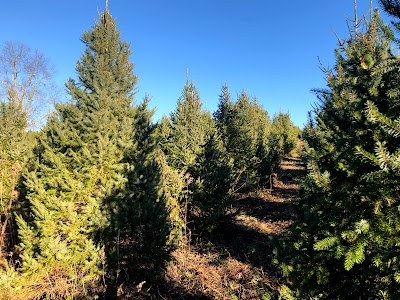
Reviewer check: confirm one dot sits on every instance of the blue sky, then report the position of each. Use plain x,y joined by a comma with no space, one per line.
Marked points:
270,49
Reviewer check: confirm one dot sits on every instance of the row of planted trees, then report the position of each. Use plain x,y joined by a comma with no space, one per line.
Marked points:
345,241
94,202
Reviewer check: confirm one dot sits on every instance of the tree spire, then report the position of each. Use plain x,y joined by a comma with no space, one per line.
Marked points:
355,17
371,10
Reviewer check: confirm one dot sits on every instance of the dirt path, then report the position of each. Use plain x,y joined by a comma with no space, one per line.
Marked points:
268,211
236,263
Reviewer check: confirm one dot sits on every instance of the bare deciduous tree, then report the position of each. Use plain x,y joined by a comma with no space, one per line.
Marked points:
26,80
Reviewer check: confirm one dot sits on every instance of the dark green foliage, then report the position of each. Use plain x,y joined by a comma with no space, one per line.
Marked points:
212,195
224,113
378,236
243,135
308,130
345,237
182,138
245,127
174,190
392,7
107,194
141,217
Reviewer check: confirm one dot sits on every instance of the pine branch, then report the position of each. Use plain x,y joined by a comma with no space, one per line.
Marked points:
355,255
326,243
366,155
382,155
392,126
386,66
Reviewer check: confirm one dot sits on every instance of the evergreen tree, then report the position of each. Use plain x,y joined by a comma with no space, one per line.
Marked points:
284,134
247,131
174,190
181,139
392,7
212,195
141,219
174,182
343,239
81,174
308,130
190,125
223,114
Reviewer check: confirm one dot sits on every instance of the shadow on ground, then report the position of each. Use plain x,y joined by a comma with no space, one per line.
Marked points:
248,244
266,210
251,237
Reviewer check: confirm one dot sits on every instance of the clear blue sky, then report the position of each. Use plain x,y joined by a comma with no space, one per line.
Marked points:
268,48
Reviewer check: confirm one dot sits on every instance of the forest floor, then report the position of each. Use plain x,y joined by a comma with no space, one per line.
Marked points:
236,262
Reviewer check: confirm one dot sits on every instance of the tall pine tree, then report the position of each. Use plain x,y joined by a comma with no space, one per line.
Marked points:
212,187
284,134
224,113
81,175
181,141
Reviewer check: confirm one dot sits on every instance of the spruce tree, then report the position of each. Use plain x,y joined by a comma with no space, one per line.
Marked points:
392,7
247,131
141,220
174,191
284,134
181,138
174,182
81,173
344,238
224,113
190,125
212,187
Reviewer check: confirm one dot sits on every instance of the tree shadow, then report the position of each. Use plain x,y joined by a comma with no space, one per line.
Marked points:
292,167
172,291
266,210
137,250
244,244
162,290
245,240
248,244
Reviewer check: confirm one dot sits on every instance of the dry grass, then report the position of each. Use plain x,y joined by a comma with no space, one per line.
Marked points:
196,273
275,227
52,283
237,263
207,276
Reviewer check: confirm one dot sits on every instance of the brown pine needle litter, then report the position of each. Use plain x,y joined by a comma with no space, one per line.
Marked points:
237,263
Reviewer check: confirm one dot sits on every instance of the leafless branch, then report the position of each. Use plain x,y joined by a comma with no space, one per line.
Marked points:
26,80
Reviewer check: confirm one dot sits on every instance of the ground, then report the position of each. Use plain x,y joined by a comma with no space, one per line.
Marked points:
236,262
